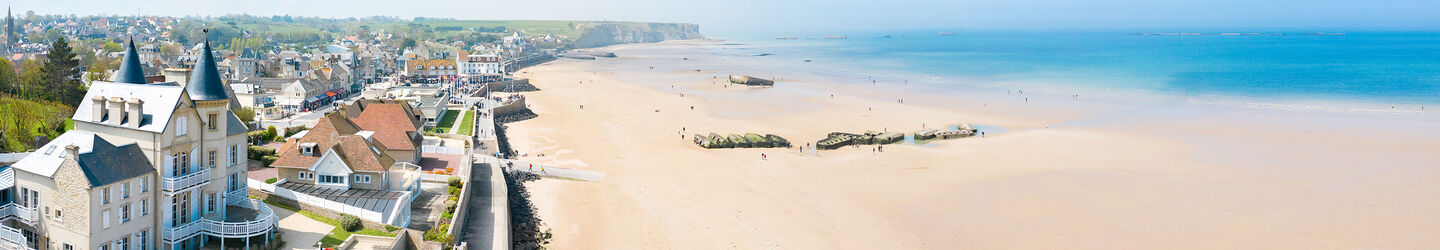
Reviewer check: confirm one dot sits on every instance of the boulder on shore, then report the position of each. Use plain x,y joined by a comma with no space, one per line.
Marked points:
757,141
740,141
750,81
835,140
720,141
777,141
925,134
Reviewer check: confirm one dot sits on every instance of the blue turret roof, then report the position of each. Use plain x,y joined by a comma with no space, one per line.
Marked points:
130,71
205,84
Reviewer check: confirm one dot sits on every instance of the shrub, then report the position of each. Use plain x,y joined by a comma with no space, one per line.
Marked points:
389,228
450,206
271,134
256,136
455,182
454,191
256,152
439,233
267,160
271,181
293,130
448,215
350,223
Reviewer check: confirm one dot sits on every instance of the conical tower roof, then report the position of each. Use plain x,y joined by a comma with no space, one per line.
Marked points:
205,84
130,71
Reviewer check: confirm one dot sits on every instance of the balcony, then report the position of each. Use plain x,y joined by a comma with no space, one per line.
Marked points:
11,238
245,218
25,215
174,184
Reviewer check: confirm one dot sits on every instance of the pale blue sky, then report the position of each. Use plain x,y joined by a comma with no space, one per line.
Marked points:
836,15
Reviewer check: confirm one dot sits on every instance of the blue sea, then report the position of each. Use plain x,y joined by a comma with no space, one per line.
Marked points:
1362,67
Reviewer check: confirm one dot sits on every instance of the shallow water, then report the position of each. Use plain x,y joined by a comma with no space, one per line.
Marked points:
1365,67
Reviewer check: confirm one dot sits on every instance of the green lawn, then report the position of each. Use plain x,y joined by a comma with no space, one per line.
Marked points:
446,122
467,123
337,235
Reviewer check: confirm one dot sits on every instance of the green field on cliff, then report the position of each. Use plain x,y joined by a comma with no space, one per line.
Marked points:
567,30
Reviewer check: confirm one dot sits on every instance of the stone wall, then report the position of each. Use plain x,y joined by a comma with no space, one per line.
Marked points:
513,85
514,107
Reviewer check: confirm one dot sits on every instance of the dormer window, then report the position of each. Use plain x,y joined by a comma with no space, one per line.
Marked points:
307,149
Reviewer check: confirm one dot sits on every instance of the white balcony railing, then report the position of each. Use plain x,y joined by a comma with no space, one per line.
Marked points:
262,223
237,194
172,184
7,177
11,238
25,215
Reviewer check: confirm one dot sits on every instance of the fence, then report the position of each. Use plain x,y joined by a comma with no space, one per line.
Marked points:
442,150
12,157
400,213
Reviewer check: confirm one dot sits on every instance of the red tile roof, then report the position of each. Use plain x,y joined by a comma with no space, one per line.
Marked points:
393,123
333,131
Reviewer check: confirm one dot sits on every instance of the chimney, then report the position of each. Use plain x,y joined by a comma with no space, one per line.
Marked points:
135,114
116,105
177,75
97,108
72,150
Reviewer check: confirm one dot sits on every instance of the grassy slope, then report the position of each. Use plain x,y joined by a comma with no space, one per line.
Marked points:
467,123
20,119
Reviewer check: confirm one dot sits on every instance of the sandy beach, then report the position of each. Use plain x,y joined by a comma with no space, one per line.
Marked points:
1065,172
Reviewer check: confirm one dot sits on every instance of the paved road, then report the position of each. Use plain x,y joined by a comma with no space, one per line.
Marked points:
300,231
487,205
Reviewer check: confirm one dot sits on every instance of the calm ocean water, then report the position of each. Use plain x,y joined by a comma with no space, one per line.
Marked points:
1368,67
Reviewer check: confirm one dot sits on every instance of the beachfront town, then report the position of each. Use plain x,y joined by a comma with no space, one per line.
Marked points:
171,133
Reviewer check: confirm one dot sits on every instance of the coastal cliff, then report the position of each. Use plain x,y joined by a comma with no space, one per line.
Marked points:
606,34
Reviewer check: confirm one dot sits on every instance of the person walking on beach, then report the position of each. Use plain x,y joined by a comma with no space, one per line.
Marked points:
532,167
762,156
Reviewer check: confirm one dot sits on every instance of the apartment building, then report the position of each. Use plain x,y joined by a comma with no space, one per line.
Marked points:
148,166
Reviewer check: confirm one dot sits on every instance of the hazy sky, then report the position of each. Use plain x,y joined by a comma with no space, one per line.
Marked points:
836,15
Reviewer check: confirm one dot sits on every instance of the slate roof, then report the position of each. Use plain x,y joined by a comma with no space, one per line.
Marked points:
161,100
233,126
205,84
102,162
130,68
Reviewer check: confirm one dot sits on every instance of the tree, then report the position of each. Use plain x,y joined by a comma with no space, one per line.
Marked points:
31,81
53,34
9,81
62,74
407,43
98,71
246,114
112,47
